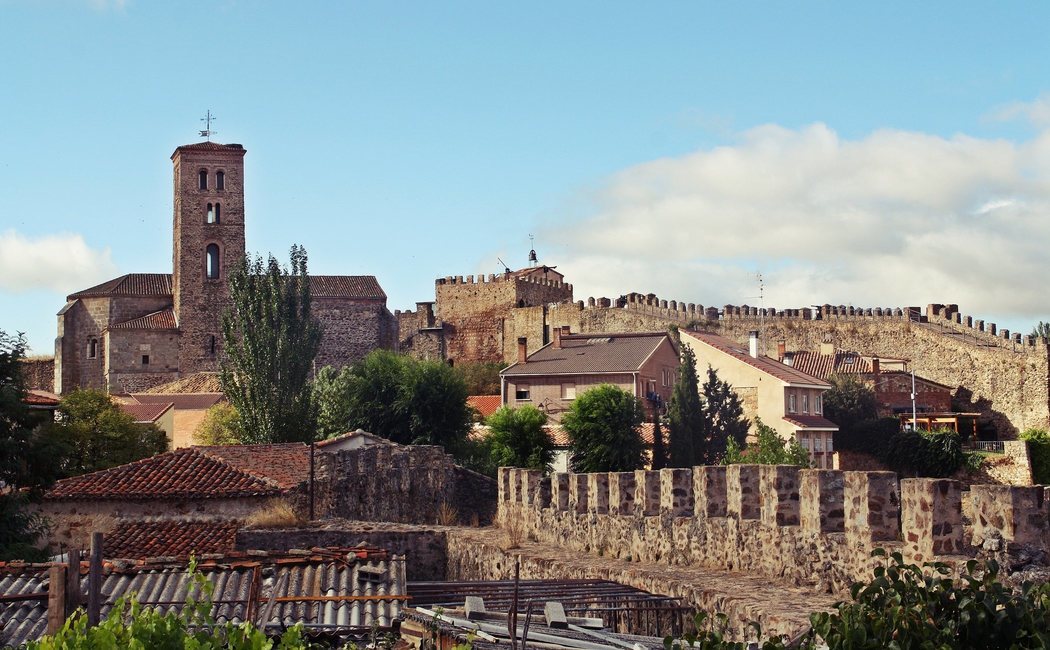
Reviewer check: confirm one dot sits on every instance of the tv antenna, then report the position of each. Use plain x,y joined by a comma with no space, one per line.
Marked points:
506,269
206,132
761,309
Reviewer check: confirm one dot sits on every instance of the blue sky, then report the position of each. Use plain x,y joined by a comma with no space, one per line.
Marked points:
876,155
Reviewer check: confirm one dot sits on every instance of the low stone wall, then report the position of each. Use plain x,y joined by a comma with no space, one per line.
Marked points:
807,527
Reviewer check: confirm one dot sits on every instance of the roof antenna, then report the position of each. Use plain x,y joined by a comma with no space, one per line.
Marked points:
532,252
506,269
206,132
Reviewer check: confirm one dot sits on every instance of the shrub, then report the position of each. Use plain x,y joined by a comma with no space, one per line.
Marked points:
935,454
221,426
767,449
278,513
602,424
871,437
518,439
1039,450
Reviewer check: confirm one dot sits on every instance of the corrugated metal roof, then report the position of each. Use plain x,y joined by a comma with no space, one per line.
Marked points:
132,284
606,353
339,590
767,365
158,320
346,286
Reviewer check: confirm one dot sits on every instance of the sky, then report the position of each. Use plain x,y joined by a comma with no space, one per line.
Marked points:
866,154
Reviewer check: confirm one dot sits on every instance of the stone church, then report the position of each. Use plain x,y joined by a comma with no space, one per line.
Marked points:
144,329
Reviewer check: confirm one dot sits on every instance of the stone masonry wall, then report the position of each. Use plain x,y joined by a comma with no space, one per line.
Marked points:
352,328
408,484
807,527
39,373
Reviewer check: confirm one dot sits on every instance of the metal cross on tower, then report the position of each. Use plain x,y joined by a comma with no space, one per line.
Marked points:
206,132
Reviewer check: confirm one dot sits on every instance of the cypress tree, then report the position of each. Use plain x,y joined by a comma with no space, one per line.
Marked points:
723,419
685,416
659,450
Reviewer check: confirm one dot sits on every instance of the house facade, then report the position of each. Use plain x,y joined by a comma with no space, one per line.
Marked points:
643,364
785,398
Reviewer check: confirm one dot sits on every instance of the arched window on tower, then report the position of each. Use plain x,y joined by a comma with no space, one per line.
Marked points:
220,180
218,208
211,214
212,344
202,179
92,349
212,254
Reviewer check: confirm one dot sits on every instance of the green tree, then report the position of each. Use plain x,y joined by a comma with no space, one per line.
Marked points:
517,438
687,433
1039,449
723,420
481,378
221,426
849,402
602,424
659,459
767,449
28,461
270,340
97,434
1041,329
396,397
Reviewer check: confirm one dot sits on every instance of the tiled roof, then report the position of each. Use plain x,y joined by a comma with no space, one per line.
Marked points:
486,405
145,539
158,320
198,382
211,146
286,465
146,412
346,286
40,398
368,439
810,422
195,473
826,365
132,284
182,402
591,353
767,365
560,436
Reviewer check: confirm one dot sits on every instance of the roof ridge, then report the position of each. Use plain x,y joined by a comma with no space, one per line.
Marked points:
269,480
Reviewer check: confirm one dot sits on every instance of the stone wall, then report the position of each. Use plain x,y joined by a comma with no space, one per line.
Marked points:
124,369
39,373
408,484
808,527
352,328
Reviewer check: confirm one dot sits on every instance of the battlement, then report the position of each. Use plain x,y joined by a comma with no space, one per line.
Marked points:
778,520
493,277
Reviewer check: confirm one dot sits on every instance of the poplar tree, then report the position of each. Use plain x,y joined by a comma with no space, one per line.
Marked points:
270,340
659,460
685,416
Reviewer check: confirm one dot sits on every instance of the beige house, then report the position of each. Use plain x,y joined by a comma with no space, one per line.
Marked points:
785,398
643,364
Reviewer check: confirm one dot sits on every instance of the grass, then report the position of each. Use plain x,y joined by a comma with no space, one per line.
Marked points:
278,513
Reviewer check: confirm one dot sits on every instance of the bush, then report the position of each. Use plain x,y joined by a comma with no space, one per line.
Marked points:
1039,450
602,424
518,439
934,454
870,437
221,426
767,449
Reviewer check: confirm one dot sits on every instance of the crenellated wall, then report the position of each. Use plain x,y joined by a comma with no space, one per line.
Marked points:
805,527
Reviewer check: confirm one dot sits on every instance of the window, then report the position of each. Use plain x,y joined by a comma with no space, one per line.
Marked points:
829,447
211,345
818,443
202,179
568,391
521,393
218,208
220,180
804,440
211,214
92,349
805,403
145,359
817,406
212,255
791,403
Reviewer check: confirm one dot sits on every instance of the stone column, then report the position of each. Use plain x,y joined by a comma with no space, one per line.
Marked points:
647,492
578,497
598,493
931,518
778,487
822,506
621,493
530,487
503,484
676,492
872,504
709,491
742,491
560,491
1018,513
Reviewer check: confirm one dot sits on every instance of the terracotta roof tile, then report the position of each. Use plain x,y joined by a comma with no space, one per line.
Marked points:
346,286
195,472
767,365
146,412
561,437
486,405
182,402
132,284
591,353
211,146
40,398
810,422
137,540
158,320
198,382
826,365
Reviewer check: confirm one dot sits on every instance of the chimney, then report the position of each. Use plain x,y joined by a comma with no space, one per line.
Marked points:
827,348
781,350
753,344
556,343
875,366
565,331
523,350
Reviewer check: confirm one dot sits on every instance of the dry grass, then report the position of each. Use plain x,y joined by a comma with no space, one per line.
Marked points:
475,521
514,530
278,513
447,514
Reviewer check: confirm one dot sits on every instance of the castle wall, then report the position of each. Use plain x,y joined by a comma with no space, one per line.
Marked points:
124,369
39,373
352,328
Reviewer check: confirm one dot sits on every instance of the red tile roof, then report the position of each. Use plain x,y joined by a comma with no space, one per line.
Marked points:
146,412
137,540
132,284
607,353
346,286
158,320
40,398
486,405
826,365
182,402
767,365
810,422
561,437
211,146
195,472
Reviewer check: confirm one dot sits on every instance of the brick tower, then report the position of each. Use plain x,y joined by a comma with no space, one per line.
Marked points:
208,239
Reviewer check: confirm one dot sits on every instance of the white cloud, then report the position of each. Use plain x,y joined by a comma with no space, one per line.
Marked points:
892,219
62,263
1036,112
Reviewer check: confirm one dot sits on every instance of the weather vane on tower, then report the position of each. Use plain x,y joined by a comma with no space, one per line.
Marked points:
206,132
